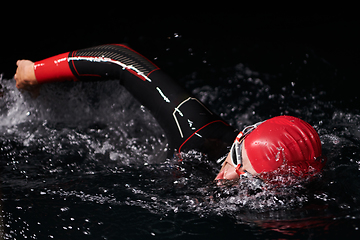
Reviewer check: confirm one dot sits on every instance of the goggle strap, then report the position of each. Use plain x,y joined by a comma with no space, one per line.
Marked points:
239,136
237,169
238,153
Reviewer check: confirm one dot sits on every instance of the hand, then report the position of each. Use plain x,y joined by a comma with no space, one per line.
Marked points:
25,77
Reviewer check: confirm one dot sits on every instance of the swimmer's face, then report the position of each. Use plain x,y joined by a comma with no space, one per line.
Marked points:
228,172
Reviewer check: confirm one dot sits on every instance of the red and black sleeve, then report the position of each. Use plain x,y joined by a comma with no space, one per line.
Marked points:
187,123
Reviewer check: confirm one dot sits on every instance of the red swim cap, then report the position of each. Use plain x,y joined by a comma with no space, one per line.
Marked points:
283,140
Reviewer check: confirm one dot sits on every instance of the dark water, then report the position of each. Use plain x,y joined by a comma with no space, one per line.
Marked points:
84,160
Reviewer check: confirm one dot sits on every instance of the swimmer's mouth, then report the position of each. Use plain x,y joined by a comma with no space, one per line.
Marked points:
255,182
226,182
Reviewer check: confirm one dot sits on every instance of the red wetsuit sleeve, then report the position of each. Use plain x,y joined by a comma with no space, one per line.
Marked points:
54,69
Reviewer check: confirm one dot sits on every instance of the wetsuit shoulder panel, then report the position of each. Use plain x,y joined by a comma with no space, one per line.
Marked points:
109,62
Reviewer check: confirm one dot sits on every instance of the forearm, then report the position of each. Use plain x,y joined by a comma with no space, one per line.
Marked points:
53,69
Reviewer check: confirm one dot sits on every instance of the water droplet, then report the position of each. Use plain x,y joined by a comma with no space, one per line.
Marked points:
64,209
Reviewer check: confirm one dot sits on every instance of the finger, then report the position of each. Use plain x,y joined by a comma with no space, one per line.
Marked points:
18,62
19,86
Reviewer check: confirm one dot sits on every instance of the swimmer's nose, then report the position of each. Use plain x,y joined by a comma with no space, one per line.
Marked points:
228,172
220,176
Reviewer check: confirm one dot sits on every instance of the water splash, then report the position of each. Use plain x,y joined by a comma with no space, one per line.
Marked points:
93,146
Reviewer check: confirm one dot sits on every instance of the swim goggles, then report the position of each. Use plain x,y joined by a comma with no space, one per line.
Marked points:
236,148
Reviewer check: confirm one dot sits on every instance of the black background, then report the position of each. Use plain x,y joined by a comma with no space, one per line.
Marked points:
267,40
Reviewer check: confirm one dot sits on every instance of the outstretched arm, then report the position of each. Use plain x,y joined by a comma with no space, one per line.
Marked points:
112,61
185,120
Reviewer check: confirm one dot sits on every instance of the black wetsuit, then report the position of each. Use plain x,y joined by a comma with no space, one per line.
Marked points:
187,123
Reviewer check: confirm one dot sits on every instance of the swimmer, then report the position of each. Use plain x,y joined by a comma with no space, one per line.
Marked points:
257,151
